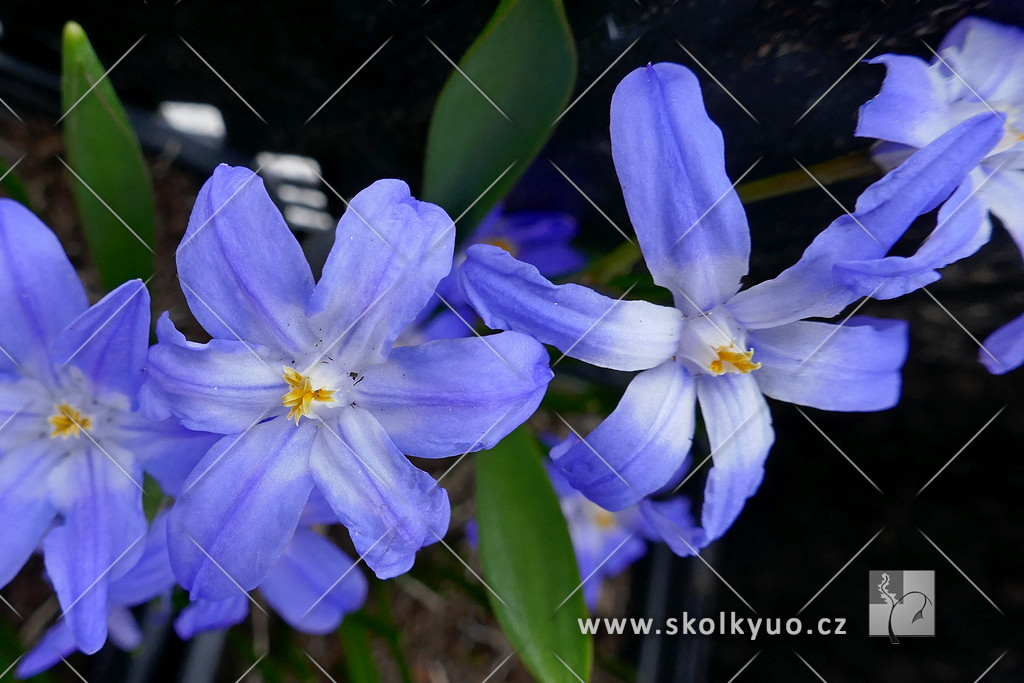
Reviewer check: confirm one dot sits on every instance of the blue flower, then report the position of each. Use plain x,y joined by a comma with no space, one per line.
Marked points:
718,347
312,586
540,238
976,70
149,578
73,447
304,382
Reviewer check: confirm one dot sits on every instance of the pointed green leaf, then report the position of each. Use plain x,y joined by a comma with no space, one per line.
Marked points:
110,179
528,561
494,116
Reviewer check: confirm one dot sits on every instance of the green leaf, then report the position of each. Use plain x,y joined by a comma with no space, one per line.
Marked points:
359,662
524,62
528,561
11,185
112,190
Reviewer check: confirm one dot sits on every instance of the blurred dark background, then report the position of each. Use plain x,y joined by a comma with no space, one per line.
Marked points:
772,59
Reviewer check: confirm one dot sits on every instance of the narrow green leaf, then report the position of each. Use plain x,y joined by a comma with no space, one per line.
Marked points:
359,663
528,561
112,190
492,119
11,185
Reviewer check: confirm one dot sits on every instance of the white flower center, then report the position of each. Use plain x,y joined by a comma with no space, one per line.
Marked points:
713,344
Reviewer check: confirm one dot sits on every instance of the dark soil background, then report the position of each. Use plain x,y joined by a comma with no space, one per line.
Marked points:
810,521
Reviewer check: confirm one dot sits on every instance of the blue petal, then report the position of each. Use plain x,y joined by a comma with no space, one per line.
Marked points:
56,644
222,386
963,228
455,396
670,160
108,342
25,510
211,615
39,290
989,56
239,509
1004,349
672,521
124,630
391,508
151,575
884,212
622,335
639,447
1003,192
167,450
911,107
314,585
740,431
448,324
389,254
101,538
854,366
540,238
242,271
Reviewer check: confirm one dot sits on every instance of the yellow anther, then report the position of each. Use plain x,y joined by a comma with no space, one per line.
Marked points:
504,244
68,422
302,394
604,519
731,360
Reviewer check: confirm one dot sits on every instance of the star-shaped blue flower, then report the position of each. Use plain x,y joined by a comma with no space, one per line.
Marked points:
975,70
718,347
73,446
303,381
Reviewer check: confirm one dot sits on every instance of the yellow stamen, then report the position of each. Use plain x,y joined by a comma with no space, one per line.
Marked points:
604,519
302,394
504,244
731,360
68,422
